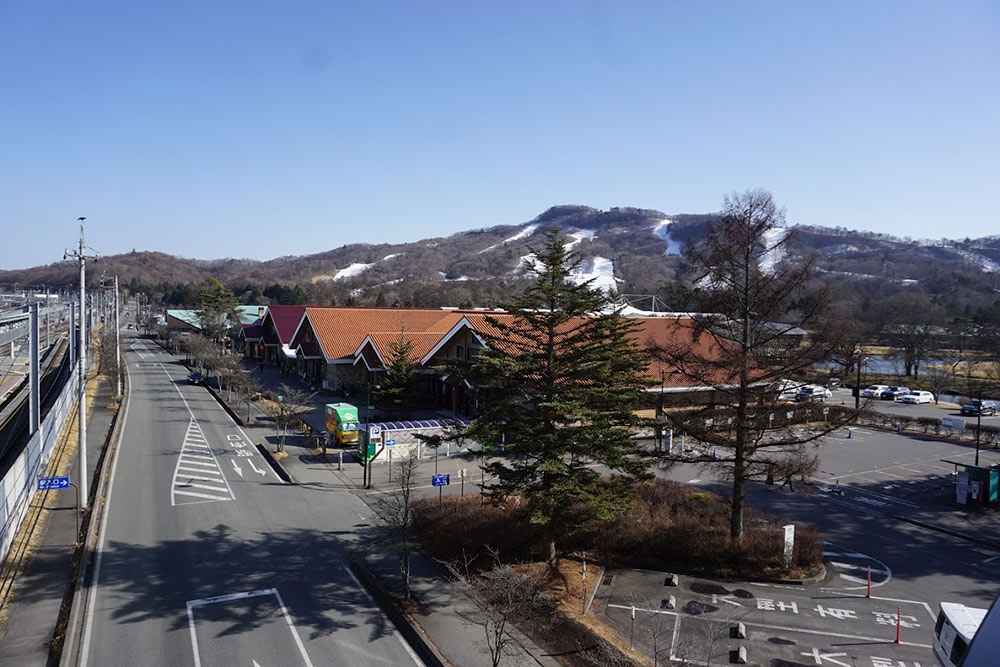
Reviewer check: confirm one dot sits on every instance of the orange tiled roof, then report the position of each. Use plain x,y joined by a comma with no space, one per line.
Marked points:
341,330
651,331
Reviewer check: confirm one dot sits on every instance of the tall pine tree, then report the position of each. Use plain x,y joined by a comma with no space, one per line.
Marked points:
560,380
396,393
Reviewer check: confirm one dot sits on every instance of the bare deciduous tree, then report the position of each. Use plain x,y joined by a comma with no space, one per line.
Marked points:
287,408
760,322
501,597
394,517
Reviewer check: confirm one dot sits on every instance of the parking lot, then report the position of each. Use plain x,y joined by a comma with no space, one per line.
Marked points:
828,623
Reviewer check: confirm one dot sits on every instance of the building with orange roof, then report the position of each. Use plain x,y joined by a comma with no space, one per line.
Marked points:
344,349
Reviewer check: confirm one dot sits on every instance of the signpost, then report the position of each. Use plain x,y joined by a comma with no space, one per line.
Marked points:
54,483
441,481
46,483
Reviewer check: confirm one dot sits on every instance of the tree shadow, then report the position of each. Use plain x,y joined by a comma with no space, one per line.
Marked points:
308,568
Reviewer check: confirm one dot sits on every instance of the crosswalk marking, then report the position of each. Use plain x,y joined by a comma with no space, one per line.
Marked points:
197,468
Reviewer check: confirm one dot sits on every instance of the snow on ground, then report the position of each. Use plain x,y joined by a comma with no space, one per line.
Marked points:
392,256
444,276
579,235
985,263
775,249
355,269
662,229
600,269
527,231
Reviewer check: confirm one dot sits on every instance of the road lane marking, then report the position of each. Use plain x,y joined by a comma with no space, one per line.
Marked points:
208,471
191,604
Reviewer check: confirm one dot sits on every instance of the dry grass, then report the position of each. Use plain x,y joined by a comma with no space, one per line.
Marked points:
566,587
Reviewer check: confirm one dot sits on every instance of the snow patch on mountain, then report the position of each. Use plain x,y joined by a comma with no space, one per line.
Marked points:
662,229
774,249
352,270
392,256
985,263
527,231
579,235
599,269
444,276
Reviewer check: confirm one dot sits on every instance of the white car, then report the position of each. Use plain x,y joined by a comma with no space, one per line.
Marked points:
918,397
874,391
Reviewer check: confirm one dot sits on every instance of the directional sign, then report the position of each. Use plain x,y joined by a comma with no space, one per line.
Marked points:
441,480
390,442
45,483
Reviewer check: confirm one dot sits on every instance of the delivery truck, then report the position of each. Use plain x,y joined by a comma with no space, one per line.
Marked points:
342,423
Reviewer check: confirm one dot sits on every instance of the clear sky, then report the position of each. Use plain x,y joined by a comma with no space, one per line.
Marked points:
258,129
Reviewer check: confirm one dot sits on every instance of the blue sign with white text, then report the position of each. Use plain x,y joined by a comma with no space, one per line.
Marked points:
46,483
441,480
390,442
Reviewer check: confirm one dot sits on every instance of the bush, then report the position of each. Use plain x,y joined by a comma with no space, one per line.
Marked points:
671,526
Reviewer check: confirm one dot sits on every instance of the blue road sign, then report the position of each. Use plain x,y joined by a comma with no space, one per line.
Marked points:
441,480
45,483
390,442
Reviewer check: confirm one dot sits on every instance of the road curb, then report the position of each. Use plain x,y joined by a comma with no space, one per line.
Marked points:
279,469
225,406
953,533
413,636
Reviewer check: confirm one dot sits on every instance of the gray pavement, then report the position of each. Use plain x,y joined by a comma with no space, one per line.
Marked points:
26,636
207,554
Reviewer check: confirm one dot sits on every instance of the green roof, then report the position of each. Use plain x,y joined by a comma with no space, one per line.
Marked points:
248,315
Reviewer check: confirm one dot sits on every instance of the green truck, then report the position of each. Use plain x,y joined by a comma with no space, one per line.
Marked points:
342,423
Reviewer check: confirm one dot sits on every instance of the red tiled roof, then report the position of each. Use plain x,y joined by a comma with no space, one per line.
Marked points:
285,319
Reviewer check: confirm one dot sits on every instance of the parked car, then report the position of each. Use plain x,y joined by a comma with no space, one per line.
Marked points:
894,393
918,397
194,377
874,391
979,407
785,389
812,392
834,383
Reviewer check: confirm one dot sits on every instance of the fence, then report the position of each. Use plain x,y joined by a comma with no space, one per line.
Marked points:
17,487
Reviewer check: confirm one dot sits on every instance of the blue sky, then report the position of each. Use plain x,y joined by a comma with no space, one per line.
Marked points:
253,129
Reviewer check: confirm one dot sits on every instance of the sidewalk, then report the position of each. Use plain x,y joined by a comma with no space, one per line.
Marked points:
44,583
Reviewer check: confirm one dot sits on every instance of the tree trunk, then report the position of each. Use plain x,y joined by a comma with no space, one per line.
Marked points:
404,572
551,559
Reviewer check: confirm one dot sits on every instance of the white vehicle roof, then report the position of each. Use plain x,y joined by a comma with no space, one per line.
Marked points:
965,620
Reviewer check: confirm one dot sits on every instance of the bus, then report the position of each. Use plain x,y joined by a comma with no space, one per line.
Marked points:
956,626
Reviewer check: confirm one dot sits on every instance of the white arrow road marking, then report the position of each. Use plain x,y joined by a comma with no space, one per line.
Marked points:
255,663
732,602
255,469
238,471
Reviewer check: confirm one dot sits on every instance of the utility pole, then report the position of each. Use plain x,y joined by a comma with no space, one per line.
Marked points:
81,256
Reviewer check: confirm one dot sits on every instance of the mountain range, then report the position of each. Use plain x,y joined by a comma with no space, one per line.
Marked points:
628,249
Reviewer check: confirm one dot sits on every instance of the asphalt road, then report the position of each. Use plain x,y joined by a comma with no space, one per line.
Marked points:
206,557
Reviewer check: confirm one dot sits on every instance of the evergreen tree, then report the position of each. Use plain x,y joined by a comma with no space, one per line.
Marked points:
560,381
218,310
397,387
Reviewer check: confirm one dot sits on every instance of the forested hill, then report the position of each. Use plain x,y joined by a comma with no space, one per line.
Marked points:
635,251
